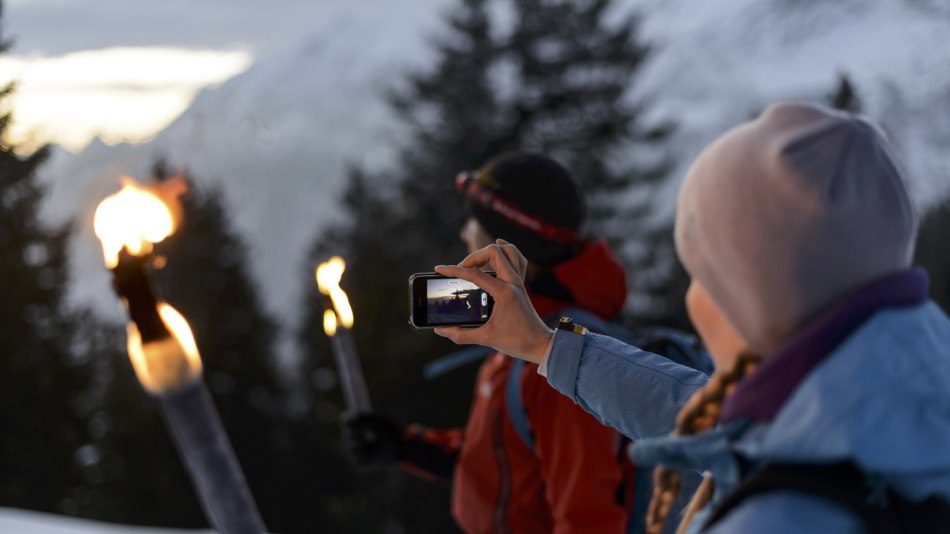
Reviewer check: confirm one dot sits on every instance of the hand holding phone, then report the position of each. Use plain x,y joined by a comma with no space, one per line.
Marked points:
514,327
437,300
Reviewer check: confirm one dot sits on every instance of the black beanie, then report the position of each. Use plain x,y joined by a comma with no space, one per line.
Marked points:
540,188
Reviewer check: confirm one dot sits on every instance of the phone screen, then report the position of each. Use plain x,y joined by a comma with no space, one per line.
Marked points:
441,301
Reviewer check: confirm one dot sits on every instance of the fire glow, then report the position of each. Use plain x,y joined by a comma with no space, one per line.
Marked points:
135,218
339,313
166,363
329,322
329,274
163,351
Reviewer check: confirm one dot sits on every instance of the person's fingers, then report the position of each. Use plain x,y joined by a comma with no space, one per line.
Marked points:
515,257
502,265
476,260
477,277
498,261
460,336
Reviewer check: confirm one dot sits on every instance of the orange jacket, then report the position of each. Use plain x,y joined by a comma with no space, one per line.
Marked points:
576,479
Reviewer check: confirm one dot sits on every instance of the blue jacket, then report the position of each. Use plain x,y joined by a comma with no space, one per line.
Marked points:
881,398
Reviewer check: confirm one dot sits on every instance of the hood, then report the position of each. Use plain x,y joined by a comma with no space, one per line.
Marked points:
594,280
882,399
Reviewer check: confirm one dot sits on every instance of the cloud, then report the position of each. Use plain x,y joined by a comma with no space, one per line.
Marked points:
73,90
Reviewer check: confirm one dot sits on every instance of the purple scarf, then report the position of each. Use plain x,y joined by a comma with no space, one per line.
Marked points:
762,394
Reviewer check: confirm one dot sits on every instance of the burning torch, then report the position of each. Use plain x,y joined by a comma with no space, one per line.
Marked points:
341,338
165,357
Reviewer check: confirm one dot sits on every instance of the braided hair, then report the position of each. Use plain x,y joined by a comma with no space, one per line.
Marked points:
699,414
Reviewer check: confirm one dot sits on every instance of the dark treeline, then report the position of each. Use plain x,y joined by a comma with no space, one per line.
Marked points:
80,436
42,406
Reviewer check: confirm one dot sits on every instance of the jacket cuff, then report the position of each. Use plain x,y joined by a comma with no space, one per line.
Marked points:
543,365
563,361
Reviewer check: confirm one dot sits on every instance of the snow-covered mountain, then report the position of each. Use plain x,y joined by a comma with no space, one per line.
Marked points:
279,137
719,63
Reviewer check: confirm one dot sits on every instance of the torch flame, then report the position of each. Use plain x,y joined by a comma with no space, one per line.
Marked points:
329,322
168,363
136,217
328,281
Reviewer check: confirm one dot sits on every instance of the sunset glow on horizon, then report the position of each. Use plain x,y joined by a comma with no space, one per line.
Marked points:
116,94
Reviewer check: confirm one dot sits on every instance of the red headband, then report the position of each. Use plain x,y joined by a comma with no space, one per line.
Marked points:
467,183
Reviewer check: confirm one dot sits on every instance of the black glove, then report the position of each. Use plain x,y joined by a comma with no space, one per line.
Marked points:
372,439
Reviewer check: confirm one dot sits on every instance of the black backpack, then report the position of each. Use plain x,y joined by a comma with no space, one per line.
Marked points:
881,509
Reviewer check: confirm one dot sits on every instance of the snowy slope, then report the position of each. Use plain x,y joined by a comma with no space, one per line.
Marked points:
719,63
279,136
14,521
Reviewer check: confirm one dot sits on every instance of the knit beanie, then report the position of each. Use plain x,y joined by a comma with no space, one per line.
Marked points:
529,200
783,216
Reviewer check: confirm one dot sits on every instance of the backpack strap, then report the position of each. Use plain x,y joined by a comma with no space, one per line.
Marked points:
881,509
515,404
454,360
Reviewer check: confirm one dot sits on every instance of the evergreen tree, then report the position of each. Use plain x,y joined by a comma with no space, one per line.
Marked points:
658,288
557,80
933,253
42,385
138,475
574,72
206,278
845,97
353,499
557,83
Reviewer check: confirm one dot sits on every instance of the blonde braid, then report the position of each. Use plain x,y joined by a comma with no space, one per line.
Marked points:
699,414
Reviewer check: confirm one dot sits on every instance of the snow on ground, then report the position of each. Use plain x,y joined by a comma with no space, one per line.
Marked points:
13,521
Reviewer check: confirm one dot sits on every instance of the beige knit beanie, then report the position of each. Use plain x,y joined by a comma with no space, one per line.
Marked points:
782,216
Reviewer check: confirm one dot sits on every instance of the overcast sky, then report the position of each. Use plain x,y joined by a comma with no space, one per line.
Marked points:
55,27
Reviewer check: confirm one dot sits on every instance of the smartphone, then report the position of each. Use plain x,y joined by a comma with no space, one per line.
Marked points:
436,300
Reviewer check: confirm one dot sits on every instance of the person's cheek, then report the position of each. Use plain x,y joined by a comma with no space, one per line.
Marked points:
703,317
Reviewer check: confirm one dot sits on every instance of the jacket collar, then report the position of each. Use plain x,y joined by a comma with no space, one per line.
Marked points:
593,280
762,394
706,451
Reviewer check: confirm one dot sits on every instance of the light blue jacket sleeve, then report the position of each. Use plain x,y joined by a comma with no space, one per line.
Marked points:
634,391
